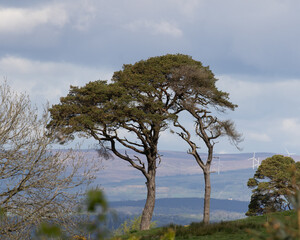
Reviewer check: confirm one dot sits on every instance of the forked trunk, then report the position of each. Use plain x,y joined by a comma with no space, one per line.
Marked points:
206,196
150,203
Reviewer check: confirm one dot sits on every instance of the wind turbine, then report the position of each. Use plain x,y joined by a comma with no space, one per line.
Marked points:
258,162
219,164
288,153
255,161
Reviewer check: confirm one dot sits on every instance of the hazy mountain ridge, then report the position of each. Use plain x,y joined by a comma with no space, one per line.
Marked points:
180,186
179,176
182,210
193,204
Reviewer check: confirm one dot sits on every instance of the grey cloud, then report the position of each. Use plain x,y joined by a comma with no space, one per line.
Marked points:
255,43
47,81
260,36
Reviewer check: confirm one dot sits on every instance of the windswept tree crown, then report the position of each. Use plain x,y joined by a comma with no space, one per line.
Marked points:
140,99
146,93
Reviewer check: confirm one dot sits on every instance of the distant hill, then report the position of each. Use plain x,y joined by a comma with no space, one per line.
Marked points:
193,204
180,186
179,176
226,185
182,210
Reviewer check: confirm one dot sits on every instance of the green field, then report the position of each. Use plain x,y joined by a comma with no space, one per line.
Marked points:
240,229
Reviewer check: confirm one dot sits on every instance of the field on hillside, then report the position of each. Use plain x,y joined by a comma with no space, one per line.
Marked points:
232,230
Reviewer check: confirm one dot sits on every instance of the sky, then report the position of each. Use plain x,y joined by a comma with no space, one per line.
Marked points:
251,46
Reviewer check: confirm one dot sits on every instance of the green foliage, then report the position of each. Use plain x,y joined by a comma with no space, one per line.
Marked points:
137,93
49,231
145,93
96,198
271,184
169,235
223,230
2,213
289,228
201,229
95,204
283,226
130,226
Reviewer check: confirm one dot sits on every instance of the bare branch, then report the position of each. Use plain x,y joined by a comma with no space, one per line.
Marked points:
186,136
36,181
128,159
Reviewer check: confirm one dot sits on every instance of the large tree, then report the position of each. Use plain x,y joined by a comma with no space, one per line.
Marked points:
138,101
200,98
37,183
271,185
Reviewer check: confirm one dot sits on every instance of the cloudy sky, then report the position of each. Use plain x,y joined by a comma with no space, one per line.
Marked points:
252,46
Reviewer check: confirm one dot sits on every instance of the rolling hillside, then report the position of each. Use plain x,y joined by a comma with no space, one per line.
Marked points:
183,210
179,176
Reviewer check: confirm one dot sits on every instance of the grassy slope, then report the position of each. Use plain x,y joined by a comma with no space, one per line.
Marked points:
232,230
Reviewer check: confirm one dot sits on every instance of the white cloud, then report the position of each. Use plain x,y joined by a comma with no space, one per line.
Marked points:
291,125
155,28
188,9
232,36
268,112
261,137
264,115
240,88
243,88
77,13
262,29
47,80
222,152
166,28
290,133
82,13
18,20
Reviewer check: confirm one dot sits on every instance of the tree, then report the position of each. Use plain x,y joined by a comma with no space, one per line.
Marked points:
36,181
197,93
290,227
140,101
271,184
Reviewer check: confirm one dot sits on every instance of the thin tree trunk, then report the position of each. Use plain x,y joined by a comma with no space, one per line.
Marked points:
298,215
206,196
150,203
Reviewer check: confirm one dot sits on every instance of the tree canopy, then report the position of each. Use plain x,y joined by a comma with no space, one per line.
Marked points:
271,184
141,99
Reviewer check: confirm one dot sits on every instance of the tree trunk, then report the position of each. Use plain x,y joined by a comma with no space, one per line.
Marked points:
206,196
150,203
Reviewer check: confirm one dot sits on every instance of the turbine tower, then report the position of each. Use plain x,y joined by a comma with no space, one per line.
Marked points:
255,161
219,164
